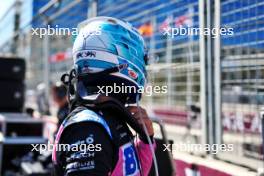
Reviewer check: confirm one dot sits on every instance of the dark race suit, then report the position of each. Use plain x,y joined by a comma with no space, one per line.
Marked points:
119,155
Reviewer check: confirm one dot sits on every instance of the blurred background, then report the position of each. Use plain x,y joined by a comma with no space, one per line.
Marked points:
215,84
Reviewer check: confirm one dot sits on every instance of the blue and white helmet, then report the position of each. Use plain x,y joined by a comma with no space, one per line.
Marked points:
104,43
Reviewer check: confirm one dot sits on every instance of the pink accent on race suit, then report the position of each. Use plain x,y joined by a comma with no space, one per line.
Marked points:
54,155
119,165
145,158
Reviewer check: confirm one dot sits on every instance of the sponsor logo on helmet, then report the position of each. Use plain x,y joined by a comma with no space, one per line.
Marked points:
86,68
132,74
122,66
86,54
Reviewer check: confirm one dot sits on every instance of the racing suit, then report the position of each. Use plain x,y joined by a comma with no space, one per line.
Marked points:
114,150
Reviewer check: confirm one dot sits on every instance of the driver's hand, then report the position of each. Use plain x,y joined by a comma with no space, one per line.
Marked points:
139,111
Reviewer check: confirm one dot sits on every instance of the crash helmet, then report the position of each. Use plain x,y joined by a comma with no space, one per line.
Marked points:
109,52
